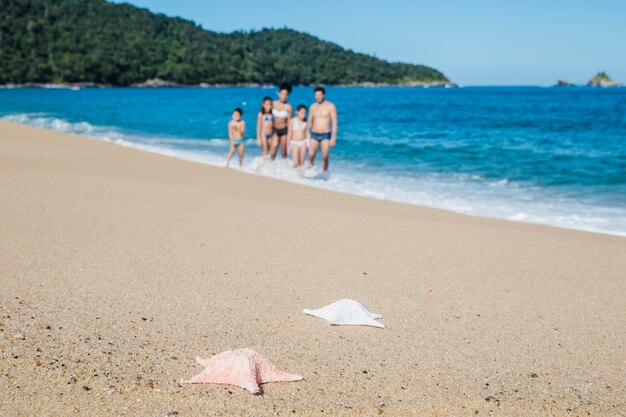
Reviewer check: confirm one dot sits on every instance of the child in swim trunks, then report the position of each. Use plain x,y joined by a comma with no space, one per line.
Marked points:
297,136
265,137
236,132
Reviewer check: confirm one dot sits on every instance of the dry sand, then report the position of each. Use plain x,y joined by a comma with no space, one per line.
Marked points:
118,267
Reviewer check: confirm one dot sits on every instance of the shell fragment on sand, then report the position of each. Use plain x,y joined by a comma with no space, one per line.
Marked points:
242,367
346,312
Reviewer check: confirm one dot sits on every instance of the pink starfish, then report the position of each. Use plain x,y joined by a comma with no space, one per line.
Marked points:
242,367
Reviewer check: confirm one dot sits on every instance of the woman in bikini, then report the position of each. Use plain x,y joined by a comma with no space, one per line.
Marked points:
265,137
282,117
297,136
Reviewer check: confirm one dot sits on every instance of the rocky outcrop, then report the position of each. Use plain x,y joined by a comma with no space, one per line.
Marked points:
445,84
155,82
563,83
58,86
601,79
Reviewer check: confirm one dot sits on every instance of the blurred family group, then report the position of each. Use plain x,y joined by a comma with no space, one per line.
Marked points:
279,129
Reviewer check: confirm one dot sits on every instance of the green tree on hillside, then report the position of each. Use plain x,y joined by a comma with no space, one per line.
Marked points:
96,41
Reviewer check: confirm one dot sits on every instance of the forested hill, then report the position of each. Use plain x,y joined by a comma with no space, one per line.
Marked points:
59,41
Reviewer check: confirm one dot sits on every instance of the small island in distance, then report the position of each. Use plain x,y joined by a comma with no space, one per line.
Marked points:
90,43
601,79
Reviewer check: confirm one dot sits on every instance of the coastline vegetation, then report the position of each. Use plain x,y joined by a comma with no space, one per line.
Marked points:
94,41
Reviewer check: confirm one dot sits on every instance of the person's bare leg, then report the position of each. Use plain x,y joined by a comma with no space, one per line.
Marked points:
264,146
325,153
283,146
294,156
313,151
274,146
301,156
242,149
231,151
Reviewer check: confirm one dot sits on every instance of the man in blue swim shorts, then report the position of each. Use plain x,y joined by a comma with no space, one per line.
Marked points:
323,127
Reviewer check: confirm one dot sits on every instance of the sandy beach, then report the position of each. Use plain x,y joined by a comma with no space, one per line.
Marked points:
118,267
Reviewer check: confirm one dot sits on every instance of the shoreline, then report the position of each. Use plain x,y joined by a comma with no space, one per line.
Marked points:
168,153
436,84
165,84
119,266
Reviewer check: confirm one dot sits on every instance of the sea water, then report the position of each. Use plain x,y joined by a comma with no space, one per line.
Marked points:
540,155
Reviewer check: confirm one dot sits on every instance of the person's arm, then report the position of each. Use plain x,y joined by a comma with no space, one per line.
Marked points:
311,117
230,131
259,122
335,122
243,129
289,131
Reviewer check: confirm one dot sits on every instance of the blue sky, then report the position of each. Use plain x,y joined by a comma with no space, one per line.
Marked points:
480,42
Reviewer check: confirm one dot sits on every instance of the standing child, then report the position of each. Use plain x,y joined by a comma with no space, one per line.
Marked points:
265,136
236,132
297,136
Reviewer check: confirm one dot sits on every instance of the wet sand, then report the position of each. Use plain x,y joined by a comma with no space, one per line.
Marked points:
118,267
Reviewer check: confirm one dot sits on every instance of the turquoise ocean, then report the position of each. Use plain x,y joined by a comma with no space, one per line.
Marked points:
553,156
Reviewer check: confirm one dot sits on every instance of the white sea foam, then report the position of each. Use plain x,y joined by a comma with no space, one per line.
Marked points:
464,193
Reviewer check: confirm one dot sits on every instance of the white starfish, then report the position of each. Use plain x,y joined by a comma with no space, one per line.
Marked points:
348,312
